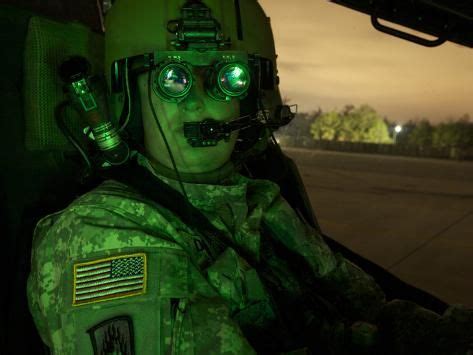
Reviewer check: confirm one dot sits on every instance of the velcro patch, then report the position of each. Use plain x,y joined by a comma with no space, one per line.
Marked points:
110,278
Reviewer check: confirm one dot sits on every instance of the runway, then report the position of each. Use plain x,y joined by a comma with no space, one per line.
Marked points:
412,216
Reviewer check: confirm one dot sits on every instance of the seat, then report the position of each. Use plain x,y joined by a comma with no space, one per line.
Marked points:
39,168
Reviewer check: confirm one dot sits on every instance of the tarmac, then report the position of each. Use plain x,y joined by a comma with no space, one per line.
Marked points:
412,216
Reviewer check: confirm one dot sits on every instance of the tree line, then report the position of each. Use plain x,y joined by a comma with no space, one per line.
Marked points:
455,133
364,124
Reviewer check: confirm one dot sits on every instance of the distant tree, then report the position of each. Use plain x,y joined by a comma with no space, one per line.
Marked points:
458,134
328,126
422,134
299,127
362,124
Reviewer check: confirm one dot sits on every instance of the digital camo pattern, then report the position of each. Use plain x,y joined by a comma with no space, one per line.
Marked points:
113,220
184,310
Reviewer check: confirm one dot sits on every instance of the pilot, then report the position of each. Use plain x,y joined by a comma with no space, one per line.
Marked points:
211,262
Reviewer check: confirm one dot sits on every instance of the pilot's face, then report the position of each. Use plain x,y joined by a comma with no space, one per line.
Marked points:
196,107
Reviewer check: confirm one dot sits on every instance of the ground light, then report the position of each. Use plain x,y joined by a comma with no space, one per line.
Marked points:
397,130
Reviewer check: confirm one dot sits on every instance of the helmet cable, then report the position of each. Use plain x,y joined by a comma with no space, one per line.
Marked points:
128,98
164,138
59,114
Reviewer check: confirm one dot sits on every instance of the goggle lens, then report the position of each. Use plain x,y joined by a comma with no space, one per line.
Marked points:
175,80
234,79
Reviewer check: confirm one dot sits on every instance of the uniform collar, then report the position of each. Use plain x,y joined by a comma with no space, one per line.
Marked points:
208,191
220,176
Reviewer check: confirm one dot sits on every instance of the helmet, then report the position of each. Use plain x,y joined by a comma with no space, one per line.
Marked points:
138,27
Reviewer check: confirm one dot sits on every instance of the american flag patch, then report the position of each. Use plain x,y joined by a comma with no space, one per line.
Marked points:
110,278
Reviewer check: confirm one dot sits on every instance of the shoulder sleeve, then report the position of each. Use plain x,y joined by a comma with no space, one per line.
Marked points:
82,232
86,232
352,290
42,276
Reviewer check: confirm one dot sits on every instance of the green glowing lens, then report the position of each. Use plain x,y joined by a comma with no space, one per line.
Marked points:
234,79
174,80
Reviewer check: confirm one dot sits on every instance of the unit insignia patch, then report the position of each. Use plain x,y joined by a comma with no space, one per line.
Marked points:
113,337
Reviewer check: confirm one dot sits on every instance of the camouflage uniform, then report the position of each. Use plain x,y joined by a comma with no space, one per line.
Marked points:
174,305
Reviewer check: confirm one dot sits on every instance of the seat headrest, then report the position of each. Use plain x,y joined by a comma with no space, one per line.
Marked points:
47,44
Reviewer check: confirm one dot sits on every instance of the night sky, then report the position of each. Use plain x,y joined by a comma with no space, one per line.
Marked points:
330,56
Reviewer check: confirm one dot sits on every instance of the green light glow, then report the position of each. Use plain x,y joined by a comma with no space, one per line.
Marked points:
234,79
237,71
173,81
82,92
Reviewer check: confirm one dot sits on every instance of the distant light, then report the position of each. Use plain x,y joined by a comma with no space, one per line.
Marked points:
398,128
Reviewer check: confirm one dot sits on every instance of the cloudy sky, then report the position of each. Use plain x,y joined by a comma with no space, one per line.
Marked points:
330,55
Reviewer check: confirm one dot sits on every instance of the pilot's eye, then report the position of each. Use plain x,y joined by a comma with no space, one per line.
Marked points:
174,80
234,79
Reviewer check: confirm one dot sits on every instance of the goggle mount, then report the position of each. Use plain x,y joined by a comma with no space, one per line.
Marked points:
197,29
199,41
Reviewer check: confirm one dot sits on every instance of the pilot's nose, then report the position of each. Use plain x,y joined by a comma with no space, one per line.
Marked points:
194,102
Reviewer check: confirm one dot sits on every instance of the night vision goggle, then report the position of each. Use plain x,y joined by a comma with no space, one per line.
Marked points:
227,73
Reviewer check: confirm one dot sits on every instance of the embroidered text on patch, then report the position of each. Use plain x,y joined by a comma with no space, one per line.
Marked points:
110,278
